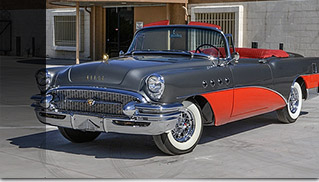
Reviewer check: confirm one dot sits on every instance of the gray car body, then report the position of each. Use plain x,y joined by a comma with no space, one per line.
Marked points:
187,76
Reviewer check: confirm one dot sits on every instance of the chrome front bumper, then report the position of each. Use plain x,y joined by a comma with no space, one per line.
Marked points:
140,118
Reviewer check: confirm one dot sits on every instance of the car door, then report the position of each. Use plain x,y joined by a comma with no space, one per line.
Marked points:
253,83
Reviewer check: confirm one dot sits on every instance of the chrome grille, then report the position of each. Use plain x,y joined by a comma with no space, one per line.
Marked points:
105,103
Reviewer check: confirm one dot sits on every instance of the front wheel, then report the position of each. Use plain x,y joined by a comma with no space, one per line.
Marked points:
78,136
186,134
291,112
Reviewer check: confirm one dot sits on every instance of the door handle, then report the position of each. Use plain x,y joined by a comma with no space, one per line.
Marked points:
262,61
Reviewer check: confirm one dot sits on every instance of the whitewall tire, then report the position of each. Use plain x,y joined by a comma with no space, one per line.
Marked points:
292,111
186,134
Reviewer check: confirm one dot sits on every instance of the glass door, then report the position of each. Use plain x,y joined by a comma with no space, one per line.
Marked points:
119,29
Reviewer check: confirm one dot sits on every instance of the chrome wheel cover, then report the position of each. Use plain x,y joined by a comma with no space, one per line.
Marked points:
184,128
293,100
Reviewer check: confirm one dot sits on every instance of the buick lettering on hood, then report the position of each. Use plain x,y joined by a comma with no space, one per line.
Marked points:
173,81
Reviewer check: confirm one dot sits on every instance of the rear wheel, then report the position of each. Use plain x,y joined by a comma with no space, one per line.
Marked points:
78,136
186,134
292,111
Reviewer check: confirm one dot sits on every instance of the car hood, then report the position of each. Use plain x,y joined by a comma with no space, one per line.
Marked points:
126,73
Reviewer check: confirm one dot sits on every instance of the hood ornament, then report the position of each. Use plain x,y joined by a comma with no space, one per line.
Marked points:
105,58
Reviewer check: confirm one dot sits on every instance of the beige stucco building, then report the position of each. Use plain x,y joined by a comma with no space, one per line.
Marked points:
107,26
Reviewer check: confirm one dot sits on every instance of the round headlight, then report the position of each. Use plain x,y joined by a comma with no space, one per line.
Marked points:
155,86
43,79
154,83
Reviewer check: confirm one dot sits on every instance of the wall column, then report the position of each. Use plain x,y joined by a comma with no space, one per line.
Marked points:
97,32
77,52
175,13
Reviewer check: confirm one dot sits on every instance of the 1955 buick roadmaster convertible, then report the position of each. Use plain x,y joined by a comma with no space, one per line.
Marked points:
172,81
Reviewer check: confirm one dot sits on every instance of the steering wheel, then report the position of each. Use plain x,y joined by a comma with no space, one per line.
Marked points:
202,45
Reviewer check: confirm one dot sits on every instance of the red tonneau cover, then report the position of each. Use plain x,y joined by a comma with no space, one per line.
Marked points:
261,53
204,24
163,22
249,53
166,22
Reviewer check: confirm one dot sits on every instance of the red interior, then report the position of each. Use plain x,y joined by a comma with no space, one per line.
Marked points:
249,53
214,52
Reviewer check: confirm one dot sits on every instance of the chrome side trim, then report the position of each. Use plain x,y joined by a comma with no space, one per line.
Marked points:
312,93
200,93
271,91
183,97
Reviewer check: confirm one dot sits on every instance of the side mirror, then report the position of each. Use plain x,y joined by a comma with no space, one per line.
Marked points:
235,57
121,53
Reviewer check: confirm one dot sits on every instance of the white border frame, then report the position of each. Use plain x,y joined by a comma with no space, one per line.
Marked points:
67,12
239,17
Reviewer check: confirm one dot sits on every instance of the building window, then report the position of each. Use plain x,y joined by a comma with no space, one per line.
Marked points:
230,18
64,30
225,20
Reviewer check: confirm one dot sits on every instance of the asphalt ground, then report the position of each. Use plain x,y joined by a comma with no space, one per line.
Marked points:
258,147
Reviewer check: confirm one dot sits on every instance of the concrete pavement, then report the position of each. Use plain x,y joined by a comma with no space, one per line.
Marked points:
259,147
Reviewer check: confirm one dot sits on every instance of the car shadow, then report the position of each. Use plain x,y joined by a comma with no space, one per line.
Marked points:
126,146
218,132
107,145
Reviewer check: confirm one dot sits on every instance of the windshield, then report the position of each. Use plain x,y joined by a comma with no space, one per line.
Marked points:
180,39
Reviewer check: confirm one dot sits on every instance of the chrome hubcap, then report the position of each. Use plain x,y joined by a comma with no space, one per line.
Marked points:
184,128
294,100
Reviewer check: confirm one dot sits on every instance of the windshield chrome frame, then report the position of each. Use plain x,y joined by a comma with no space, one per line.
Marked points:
228,57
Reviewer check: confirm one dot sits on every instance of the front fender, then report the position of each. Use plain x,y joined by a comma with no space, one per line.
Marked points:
179,85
